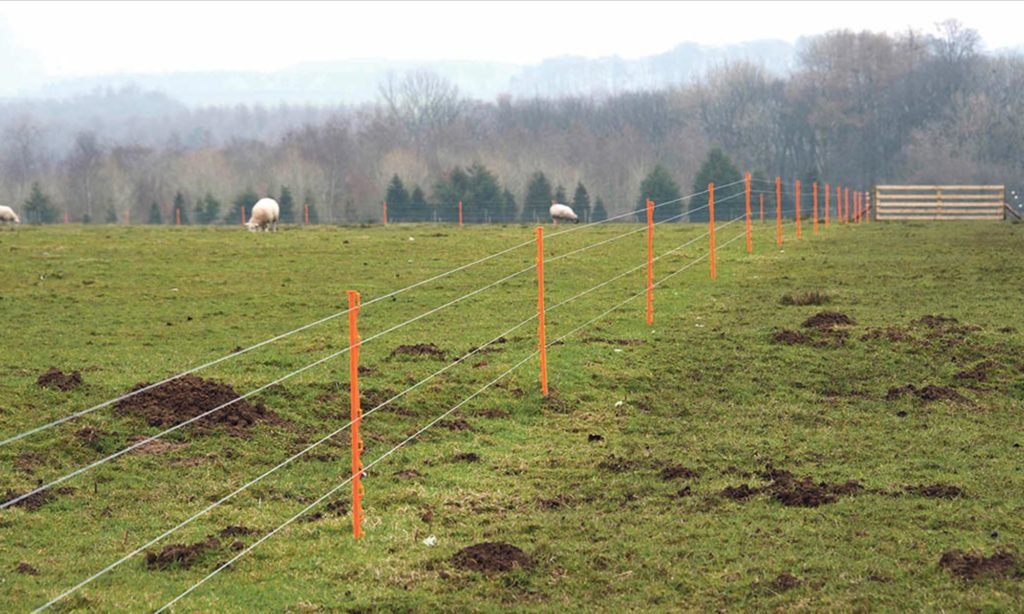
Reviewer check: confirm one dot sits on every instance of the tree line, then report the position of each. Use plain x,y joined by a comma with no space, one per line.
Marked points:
860,108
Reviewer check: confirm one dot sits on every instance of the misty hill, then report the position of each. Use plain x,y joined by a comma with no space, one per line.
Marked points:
357,81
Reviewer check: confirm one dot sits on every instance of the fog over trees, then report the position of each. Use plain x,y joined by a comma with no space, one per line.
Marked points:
858,108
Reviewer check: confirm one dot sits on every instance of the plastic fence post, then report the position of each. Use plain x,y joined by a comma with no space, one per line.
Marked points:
357,413
762,207
827,190
846,205
177,216
541,331
711,226
797,208
385,213
650,262
778,211
815,187
839,205
750,245
241,209
460,213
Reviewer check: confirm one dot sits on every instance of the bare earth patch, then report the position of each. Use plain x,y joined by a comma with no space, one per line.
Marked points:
55,378
491,557
974,565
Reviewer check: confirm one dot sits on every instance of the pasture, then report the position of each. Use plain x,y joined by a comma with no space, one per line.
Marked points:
726,458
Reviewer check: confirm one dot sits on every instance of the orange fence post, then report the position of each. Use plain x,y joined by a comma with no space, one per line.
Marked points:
797,208
242,210
846,205
750,245
541,331
839,205
385,213
65,217
460,213
306,208
827,188
650,262
860,207
177,216
815,185
762,207
711,223
778,211
357,413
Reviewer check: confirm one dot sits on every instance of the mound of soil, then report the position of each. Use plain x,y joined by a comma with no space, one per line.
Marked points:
678,471
790,337
827,320
740,492
977,373
55,378
592,437
928,393
455,425
189,396
419,349
792,491
26,569
491,557
972,565
179,555
784,582
233,530
934,321
31,503
935,491
467,457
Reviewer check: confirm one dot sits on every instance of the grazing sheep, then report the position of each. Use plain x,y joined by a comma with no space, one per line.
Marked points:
264,215
563,212
8,216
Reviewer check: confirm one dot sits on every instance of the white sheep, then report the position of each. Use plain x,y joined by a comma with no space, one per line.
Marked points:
563,212
264,215
8,216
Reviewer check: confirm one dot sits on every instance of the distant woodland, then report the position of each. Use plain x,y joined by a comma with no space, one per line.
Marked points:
859,108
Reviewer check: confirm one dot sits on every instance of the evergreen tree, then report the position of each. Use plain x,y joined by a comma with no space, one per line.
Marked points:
207,209
720,170
179,206
397,198
560,196
508,210
419,210
111,215
448,191
581,203
38,208
538,199
661,188
600,213
483,198
154,215
287,206
246,199
86,218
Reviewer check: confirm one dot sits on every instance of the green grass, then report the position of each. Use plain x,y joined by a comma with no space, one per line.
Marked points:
705,388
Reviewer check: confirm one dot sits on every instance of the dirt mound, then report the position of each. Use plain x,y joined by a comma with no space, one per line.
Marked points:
31,503
467,457
233,530
784,582
790,337
739,493
592,437
977,373
827,320
55,378
934,321
491,557
26,569
180,555
419,349
928,393
189,396
678,471
972,565
455,425
935,491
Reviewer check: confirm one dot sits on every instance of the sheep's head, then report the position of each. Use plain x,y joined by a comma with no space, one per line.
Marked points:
17,220
251,226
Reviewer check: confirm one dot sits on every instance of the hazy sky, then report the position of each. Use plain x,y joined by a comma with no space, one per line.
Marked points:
55,39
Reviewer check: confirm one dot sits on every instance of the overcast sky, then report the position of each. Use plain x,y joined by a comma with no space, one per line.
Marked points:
54,39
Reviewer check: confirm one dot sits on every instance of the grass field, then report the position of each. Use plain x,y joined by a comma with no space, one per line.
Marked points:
625,489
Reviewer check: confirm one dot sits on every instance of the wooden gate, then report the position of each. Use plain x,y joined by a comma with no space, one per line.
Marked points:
939,202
